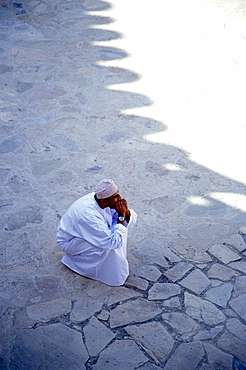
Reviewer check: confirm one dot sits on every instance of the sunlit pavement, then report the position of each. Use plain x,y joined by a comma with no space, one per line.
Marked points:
151,94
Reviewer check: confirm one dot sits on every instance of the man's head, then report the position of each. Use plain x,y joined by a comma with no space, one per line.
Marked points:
107,193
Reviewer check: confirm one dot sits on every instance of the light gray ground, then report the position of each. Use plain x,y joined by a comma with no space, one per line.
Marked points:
62,130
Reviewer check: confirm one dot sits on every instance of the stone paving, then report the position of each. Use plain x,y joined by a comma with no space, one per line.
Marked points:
62,130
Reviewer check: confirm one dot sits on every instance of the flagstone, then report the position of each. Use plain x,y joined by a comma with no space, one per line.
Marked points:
240,285
11,144
191,252
181,323
218,358
167,203
20,218
236,241
150,252
241,266
215,331
54,346
207,367
186,357
121,355
84,309
219,295
178,271
221,272
207,233
137,282
149,366
161,291
149,272
109,295
215,283
203,311
104,315
46,311
238,304
154,338
235,327
203,335
97,336
49,284
229,313
224,253
30,56
170,255
121,294
196,281
47,166
172,303
138,310
232,345
242,229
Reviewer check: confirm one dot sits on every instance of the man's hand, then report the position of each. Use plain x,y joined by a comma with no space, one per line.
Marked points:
121,207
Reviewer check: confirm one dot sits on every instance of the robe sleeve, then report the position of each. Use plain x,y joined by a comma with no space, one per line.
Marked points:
133,219
96,232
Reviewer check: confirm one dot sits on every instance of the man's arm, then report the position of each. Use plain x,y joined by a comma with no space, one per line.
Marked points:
122,209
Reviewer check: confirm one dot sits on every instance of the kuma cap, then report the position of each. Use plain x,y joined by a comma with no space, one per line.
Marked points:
105,189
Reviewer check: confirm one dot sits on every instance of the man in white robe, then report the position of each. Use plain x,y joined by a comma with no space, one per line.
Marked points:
93,234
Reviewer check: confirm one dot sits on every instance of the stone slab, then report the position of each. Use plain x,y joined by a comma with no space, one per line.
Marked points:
209,233
224,253
186,357
236,241
121,294
240,285
196,281
45,311
238,304
49,284
121,355
221,272
137,282
29,214
235,327
103,316
84,309
138,310
218,358
182,324
151,252
149,272
190,251
161,291
240,266
178,271
48,347
203,310
10,144
154,338
149,366
230,344
203,335
219,295
173,302
97,336
170,255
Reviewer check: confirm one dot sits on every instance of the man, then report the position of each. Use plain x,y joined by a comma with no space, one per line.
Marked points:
93,234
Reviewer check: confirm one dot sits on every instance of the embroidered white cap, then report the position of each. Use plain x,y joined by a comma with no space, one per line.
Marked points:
105,189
